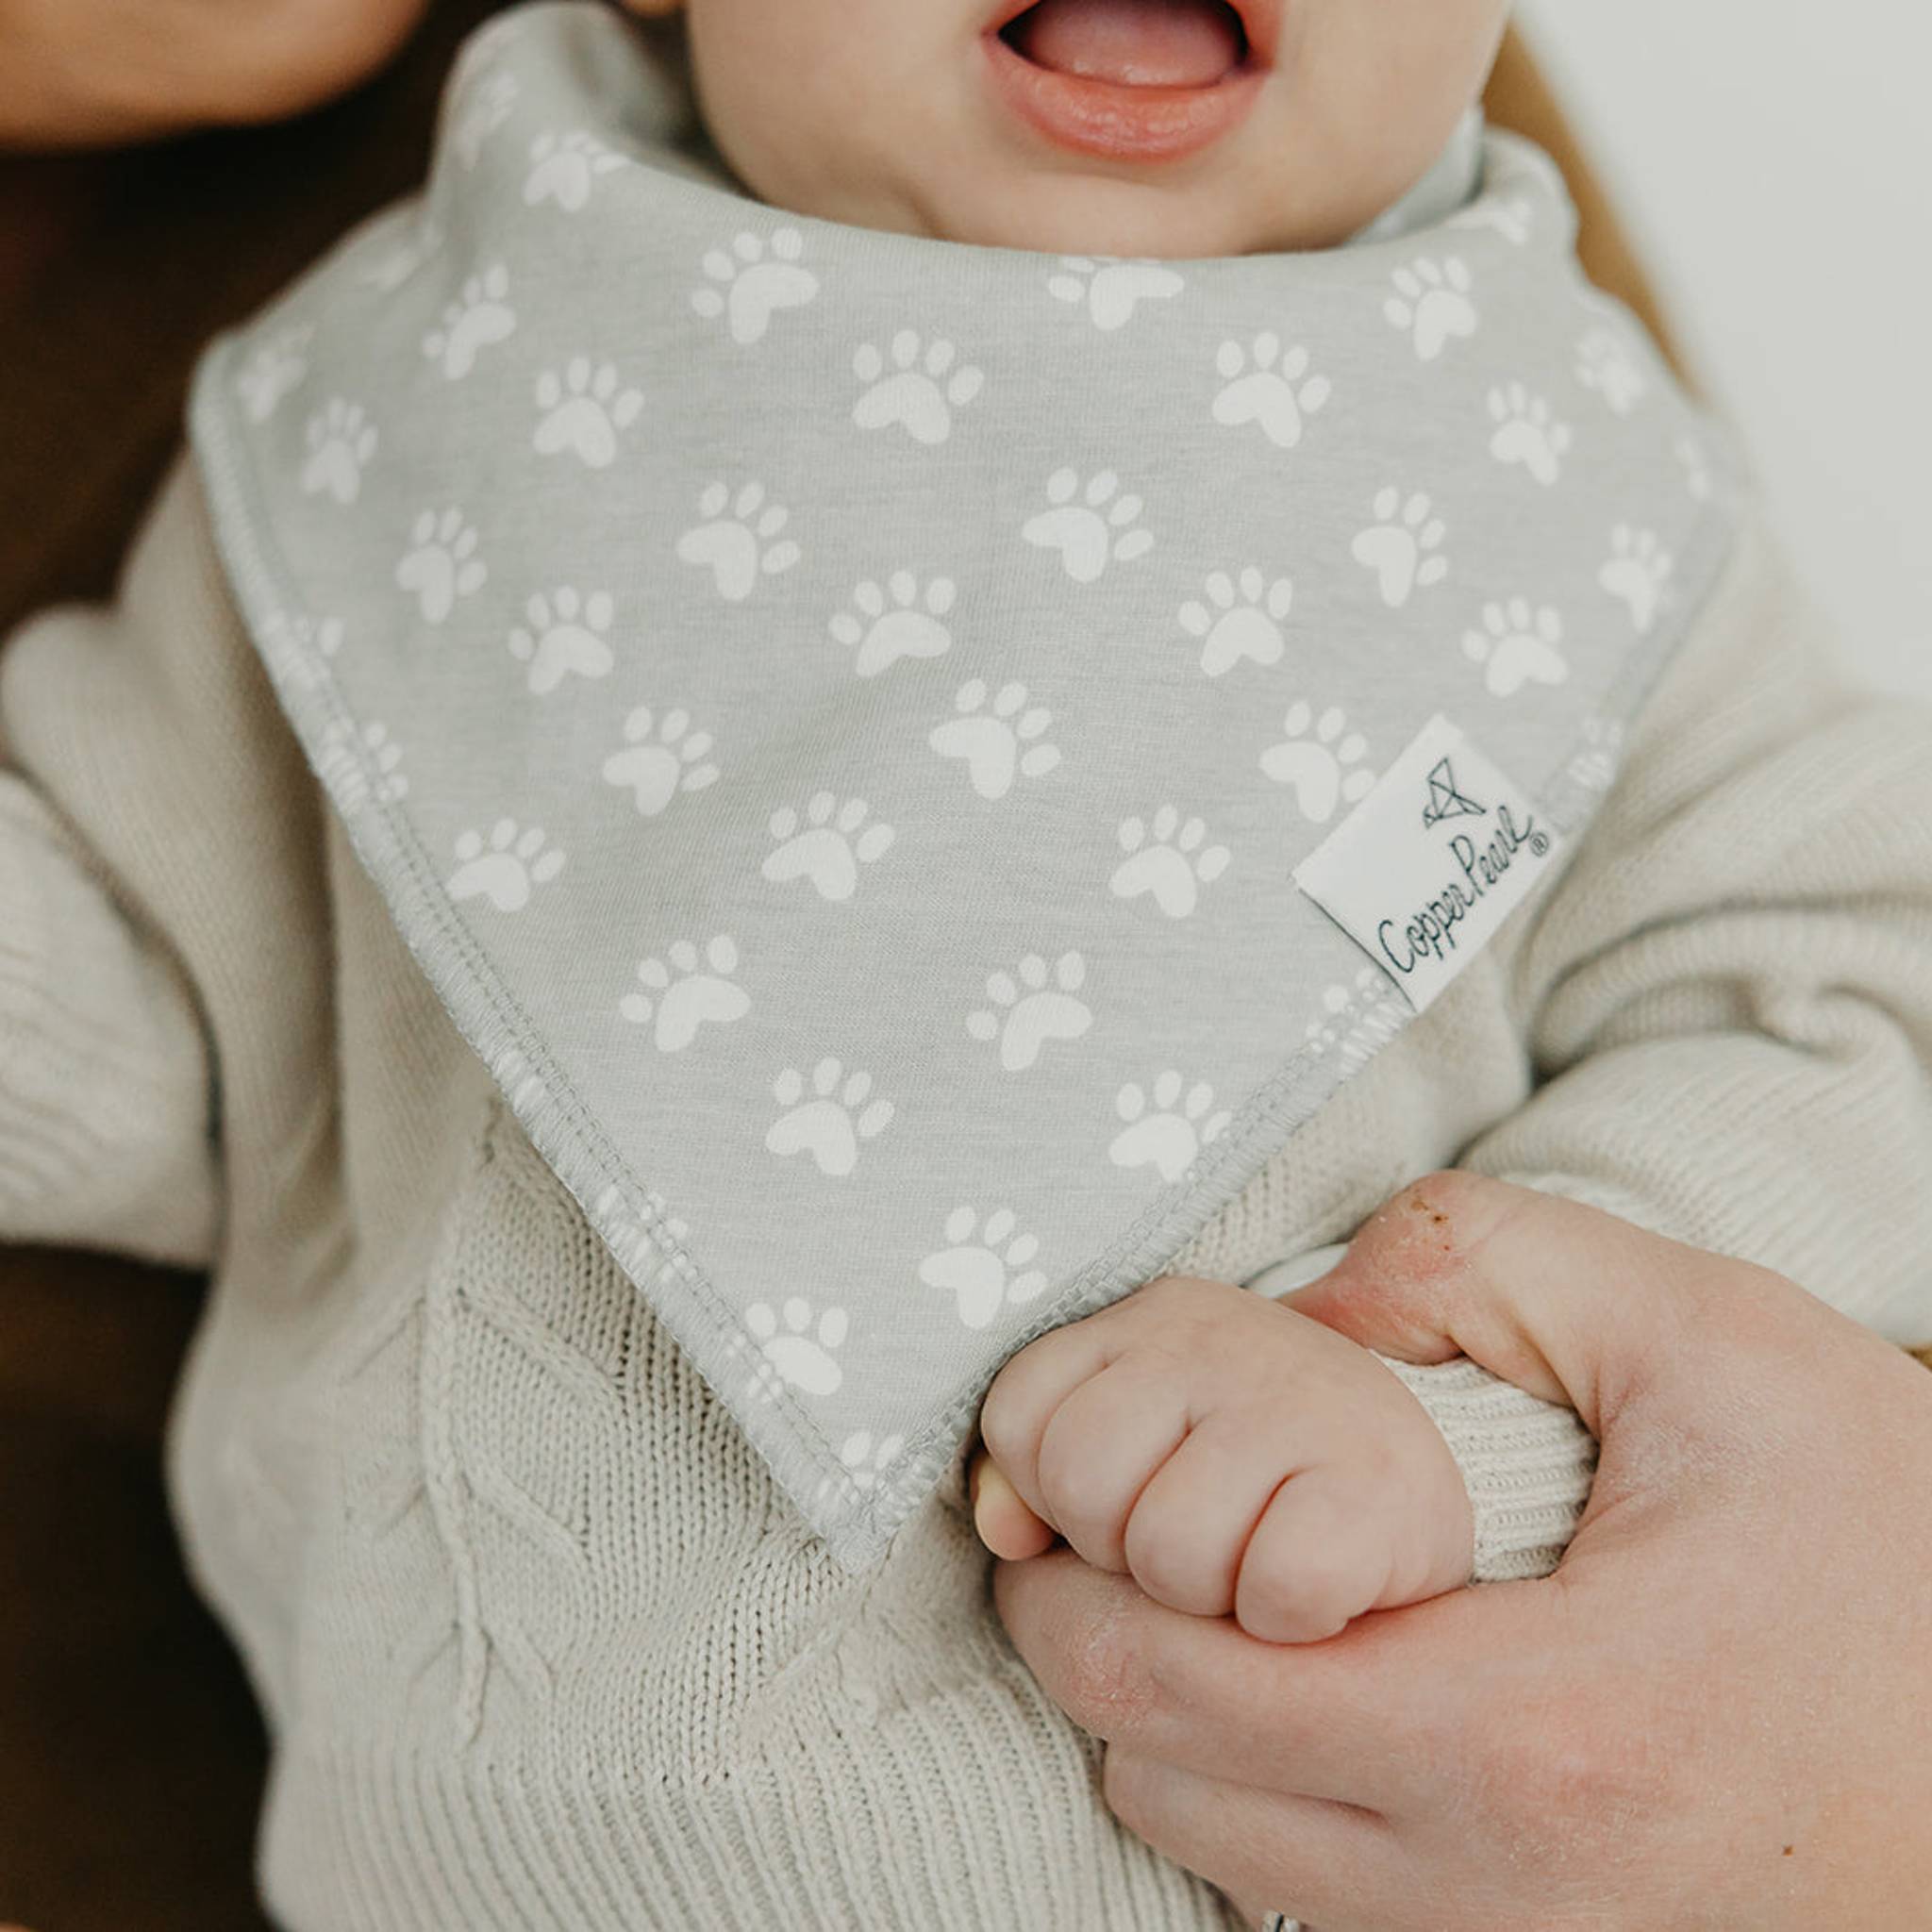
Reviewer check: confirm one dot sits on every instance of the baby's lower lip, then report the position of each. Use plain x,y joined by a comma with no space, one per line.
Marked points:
1116,123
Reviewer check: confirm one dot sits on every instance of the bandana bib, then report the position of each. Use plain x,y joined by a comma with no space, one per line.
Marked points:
920,767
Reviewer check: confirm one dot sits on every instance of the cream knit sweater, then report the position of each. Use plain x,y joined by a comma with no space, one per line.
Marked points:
539,1643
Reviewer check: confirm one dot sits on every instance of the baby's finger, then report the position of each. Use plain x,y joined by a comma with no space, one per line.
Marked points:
1029,1390
1006,1526
1101,1447
1321,1555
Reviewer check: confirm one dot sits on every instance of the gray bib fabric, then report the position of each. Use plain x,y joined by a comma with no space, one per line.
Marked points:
920,767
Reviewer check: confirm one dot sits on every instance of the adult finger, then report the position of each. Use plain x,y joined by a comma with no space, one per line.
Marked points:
1564,1301
1346,1720
1307,1857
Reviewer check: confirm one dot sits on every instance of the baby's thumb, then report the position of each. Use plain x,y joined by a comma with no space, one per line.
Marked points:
1562,1300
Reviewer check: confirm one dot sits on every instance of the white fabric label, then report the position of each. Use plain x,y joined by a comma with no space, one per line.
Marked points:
1431,862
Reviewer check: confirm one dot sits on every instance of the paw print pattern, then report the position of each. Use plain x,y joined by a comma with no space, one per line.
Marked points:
342,442
1403,546
508,869
897,621
1168,861
832,1118
753,280
986,1266
1111,289
273,372
791,1350
1513,219
1606,363
685,991
441,565
664,760
1526,433
1031,1008
358,765
1637,575
1089,529
583,411
1270,386
1239,620
1433,304
998,738
865,1461
830,844
1320,761
477,320
1694,461
739,539
918,392
1167,1128
565,169
567,635
485,106
1519,645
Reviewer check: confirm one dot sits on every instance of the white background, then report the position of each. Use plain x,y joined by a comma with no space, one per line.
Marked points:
1773,158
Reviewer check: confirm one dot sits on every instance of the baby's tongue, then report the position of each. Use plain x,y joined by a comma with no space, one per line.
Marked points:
1133,42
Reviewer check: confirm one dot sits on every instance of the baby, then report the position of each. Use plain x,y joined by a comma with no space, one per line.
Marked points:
600,1554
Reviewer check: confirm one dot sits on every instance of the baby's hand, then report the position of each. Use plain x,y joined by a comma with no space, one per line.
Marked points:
1230,1456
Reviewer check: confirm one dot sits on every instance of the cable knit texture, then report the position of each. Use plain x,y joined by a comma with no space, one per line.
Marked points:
539,1644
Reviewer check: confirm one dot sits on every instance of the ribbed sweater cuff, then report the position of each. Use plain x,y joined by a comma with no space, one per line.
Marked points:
1528,1465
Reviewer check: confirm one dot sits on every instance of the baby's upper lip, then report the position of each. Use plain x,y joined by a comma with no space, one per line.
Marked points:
1260,22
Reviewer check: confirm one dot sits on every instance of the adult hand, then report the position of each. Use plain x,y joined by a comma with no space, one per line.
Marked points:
74,72
1717,1714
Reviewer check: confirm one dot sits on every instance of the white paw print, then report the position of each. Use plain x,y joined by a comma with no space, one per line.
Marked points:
1270,386
754,280
419,239
583,411
342,442
1169,860
311,637
1111,289
1031,1006
360,765
998,736
508,869
1694,461
918,392
273,372
1637,575
896,621
441,564
664,760
566,168
1606,363
1240,621
987,1266
864,1461
477,320
1594,767
1526,433
1519,645
687,990
1321,760
1403,546
828,844
739,539
791,1350
1090,528
487,105
1514,219
1167,1129
1432,303
568,634
1328,1028
831,1120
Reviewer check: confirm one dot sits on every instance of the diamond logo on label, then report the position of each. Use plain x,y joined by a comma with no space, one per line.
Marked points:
1446,800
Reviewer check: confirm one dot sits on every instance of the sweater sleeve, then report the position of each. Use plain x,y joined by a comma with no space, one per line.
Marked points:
1728,1000
105,1085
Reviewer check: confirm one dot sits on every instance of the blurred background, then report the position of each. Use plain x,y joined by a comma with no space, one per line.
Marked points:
1774,161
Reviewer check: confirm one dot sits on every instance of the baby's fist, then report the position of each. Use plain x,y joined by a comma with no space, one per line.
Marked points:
1229,1454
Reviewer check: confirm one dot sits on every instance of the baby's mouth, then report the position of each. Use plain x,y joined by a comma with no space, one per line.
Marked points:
1151,43
1132,82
